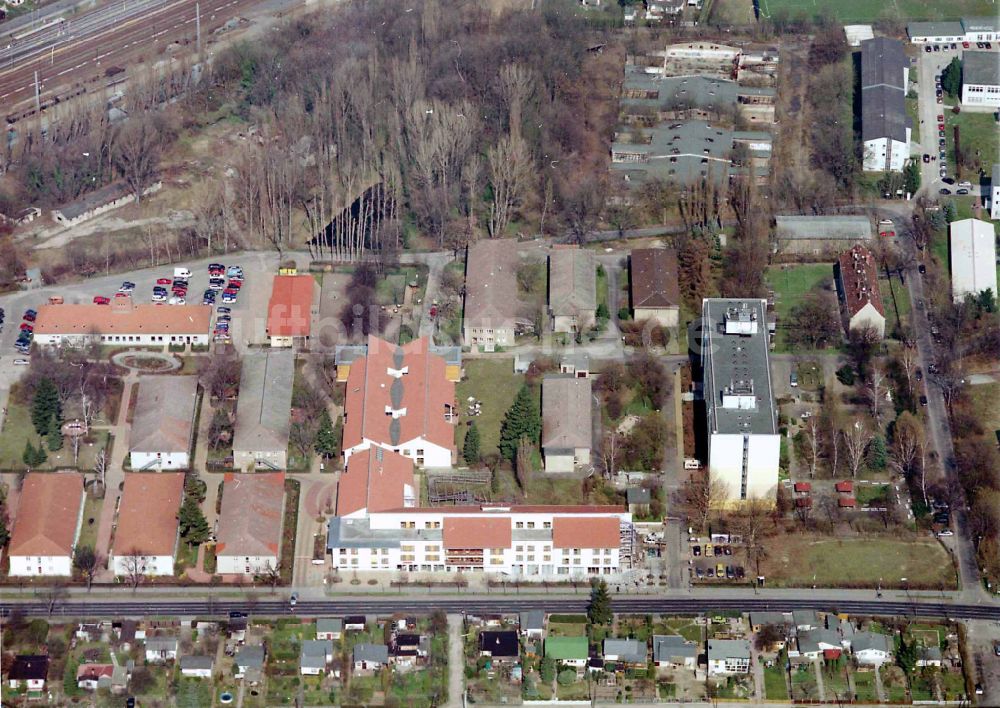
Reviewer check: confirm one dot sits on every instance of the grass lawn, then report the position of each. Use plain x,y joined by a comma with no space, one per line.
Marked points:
775,687
895,298
809,559
894,684
864,686
790,283
193,693
952,684
835,680
683,626
868,493
732,12
91,520
804,686
494,384
567,629
868,11
913,111
18,430
576,691
978,133
984,399
282,690
602,286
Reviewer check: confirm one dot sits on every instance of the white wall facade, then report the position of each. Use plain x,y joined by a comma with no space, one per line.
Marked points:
563,462
245,459
41,566
160,460
423,452
871,657
758,478
145,339
489,337
995,202
728,666
149,565
663,316
981,95
886,155
868,316
244,565
197,673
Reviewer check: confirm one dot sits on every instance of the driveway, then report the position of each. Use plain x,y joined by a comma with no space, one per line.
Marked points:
929,65
456,662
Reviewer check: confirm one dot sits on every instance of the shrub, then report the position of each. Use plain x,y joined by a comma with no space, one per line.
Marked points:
566,677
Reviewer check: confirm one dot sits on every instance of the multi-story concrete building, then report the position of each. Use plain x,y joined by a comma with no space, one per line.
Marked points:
47,525
981,79
885,126
743,449
572,289
146,534
491,303
968,29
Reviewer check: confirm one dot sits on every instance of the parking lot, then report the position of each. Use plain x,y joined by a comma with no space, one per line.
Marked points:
715,561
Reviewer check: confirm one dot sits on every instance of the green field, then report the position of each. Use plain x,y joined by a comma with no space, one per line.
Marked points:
864,686
978,133
790,284
805,559
870,10
895,298
494,384
18,430
775,686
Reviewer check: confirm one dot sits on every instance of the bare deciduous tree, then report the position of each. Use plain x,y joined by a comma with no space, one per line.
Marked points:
137,154
856,438
876,391
510,172
812,437
700,494
133,567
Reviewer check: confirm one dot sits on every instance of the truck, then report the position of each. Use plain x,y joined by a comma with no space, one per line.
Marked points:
182,273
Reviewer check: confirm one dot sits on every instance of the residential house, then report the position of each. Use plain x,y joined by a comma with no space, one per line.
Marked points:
885,125
575,363
406,649
631,652
123,322
813,642
501,645
90,632
653,281
289,311
567,430
197,666
236,628
532,624
160,650
146,537
28,671
100,201
844,626
819,236
47,524
980,79
369,658
399,397
727,657
355,623
346,354
759,620
315,654
638,500
263,410
572,651
249,660
329,628
572,289
805,620
973,258
674,651
249,535
856,274
871,649
491,303
929,656
163,423
375,479
90,677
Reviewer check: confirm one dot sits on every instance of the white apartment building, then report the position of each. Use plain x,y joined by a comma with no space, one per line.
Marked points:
744,444
47,525
981,79
522,541
968,29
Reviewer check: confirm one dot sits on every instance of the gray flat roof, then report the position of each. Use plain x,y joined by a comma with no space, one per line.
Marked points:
883,95
981,24
728,648
951,28
841,228
93,200
264,407
737,371
683,92
982,68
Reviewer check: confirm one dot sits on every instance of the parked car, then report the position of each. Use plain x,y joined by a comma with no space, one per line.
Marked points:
944,191
234,284
127,287
696,550
923,400
927,158
223,310
980,45
921,269
927,49
214,268
710,572
234,272
163,281
177,301
965,45
937,48
963,190
21,362
217,283
30,315
948,180
101,300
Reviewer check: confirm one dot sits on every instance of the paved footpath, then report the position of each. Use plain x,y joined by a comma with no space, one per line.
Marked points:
115,475
456,664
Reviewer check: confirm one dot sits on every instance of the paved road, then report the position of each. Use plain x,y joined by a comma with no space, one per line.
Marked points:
456,662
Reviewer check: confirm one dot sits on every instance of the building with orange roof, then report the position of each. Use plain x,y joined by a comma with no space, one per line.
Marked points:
249,536
47,525
289,312
123,322
857,286
146,535
376,479
526,541
400,397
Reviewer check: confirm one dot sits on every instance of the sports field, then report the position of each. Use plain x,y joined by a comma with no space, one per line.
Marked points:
870,10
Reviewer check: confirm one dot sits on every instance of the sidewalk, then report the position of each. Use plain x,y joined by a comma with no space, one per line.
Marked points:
114,476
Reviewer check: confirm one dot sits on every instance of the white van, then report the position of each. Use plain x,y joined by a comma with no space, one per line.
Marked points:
182,273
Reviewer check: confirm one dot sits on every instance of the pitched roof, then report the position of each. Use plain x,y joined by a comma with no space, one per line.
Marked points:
672,646
653,278
329,624
719,649
93,672
566,413
371,653
250,657
47,514
566,648
630,650
947,28
313,653
29,667
289,310
194,663
839,228
491,283
859,277
863,641
398,393
123,317
477,532
147,517
973,256
263,410
164,414
250,522
572,281
376,479
883,61
586,532
810,640
532,619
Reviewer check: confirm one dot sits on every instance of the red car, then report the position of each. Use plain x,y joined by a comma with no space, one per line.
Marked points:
941,118
101,300
965,45
25,327
123,295
234,285
163,281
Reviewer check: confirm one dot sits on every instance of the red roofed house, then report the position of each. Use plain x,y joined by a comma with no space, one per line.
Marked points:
47,526
845,487
88,676
249,537
376,479
123,322
803,487
847,502
147,532
857,287
400,397
289,312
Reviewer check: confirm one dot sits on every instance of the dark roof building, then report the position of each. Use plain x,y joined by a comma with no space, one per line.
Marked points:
499,645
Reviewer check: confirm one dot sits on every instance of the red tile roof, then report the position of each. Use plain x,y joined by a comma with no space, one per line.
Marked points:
654,278
831,653
847,502
845,487
466,532
424,392
496,509
252,507
123,317
375,480
147,517
93,672
803,487
289,311
586,532
859,277
47,514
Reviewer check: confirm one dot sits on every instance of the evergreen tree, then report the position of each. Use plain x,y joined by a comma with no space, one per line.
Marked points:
4,530
523,420
951,77
599,609
194,527
44,405
547,669
40,455
470,449
326,442
54,437
878,456
28,456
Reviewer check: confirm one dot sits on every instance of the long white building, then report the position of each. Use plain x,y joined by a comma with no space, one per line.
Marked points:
968,29
981,79
973,258
744,444
885,126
